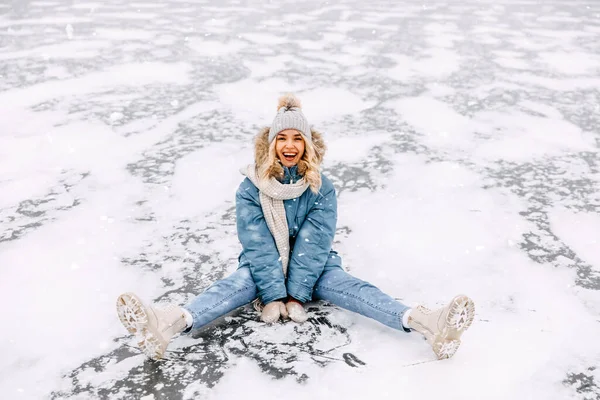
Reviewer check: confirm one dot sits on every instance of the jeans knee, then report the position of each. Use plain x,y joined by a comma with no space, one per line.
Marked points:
243,275
339,281
240,279
336,277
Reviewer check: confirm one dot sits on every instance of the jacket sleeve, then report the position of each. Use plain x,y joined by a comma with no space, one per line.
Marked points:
259,248
313,244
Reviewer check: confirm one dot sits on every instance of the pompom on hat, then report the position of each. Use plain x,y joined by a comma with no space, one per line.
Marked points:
289,116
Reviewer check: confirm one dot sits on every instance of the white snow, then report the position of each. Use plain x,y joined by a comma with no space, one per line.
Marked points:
317,104
252,101
141,16
148,5
330,102
192,173
72,49
268,66
572,63
133,74
70,311
524,137
87,6
512,63
44,21
492,135
263,38
432,117
558,85
512,319
437,63
310,44
123,34
211,48
352,149
443,35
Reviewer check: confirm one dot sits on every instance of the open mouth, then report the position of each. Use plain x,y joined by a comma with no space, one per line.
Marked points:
290,156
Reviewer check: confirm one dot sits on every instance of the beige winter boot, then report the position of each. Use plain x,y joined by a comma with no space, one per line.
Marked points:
153,327
443,327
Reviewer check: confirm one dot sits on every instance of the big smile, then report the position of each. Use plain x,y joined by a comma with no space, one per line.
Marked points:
289,156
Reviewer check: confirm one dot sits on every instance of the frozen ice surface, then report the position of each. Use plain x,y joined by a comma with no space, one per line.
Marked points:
464,144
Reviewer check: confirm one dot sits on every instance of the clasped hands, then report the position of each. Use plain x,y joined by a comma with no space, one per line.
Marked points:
291,309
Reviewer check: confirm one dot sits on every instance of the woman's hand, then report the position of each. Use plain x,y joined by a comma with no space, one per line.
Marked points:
272,311
296,311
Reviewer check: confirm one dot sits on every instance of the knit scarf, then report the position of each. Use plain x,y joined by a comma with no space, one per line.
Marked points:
271,194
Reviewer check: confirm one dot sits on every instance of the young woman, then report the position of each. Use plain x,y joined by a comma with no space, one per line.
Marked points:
286,220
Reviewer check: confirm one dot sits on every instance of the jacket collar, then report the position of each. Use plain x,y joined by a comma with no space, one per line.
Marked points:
290,175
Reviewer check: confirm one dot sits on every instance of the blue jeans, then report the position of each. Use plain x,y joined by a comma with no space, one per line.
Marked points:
335,286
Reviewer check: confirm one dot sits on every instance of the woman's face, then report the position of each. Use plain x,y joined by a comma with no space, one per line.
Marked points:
289,146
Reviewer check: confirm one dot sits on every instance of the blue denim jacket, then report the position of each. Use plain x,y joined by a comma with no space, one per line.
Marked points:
312,222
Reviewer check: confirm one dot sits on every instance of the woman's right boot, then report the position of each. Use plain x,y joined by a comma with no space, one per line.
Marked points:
153,327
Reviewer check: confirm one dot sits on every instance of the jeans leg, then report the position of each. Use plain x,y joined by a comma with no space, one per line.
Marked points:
342,289
222,297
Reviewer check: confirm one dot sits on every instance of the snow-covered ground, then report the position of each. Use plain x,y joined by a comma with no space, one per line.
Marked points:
464,143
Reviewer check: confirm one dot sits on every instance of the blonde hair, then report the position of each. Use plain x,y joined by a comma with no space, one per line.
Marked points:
309,165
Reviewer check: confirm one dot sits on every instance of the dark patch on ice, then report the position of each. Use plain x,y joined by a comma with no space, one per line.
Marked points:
564,181
158,163
584,383
544,246
30,214
352,360
189,245
351,178
341,232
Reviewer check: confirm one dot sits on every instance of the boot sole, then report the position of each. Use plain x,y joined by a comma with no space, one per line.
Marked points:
133,316
459,319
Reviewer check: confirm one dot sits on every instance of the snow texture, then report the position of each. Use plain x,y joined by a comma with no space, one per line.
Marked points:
464,145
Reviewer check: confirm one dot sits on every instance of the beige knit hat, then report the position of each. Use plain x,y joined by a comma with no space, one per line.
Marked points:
289,116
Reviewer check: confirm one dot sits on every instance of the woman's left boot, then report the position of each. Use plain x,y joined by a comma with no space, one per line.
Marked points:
153,327
443,327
